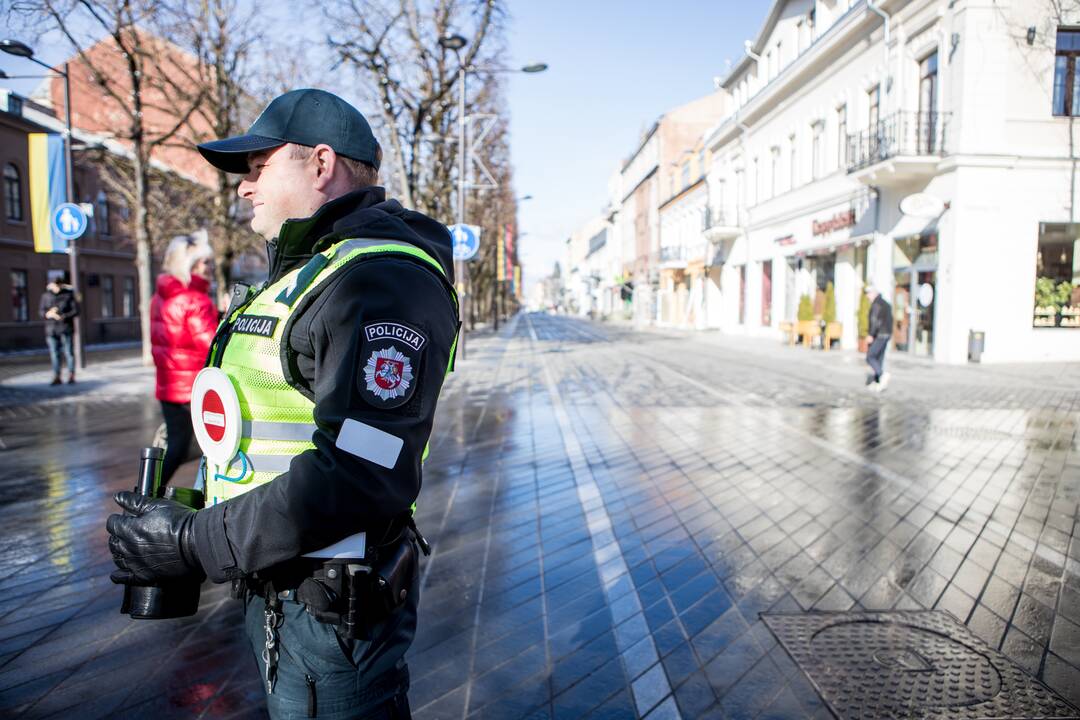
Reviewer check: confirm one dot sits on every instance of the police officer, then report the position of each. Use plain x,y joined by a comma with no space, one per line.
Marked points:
335,365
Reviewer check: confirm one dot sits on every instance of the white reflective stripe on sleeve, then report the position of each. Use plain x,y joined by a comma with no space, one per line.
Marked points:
270,463
369,443
353,546
361,243
264,430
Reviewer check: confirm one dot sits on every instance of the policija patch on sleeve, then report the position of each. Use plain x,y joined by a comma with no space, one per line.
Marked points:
390,352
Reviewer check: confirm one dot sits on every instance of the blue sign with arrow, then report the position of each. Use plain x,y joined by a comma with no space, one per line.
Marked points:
466,241
69,221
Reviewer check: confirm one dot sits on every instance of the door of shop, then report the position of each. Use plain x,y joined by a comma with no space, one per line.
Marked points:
915,295
766,293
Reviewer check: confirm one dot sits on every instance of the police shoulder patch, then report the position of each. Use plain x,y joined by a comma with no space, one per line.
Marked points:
390,353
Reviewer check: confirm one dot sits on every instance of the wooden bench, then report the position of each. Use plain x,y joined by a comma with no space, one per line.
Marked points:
833,331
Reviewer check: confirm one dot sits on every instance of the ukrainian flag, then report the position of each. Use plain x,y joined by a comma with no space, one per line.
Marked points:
48,189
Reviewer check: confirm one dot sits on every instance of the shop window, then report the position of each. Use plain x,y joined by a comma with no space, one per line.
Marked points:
128,299
13,193
1057,276
862,253
1067,73
20,300
107,296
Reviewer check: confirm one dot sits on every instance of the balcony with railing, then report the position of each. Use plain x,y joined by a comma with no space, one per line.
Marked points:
672,256
717,224
900,148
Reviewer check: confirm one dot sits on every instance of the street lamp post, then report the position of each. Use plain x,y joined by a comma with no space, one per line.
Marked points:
456,43
20,49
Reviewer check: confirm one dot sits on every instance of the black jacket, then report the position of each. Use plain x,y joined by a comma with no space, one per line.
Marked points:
65,302
328,493
880,317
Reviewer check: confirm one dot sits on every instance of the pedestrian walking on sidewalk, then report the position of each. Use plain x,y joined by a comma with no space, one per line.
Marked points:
314,416
880,331
59,307
182,324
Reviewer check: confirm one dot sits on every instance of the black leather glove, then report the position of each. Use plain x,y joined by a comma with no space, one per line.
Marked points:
154,545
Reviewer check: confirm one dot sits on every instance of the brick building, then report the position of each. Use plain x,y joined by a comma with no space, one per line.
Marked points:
106,255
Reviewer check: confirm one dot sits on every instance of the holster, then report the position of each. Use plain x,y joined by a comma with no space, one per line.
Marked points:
356,596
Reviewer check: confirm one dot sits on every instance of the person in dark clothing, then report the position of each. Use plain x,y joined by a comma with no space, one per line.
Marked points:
880,331
59,307
337,361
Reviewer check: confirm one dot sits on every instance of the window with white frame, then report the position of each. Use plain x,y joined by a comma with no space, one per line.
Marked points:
841,136
1067,73
793,166
817,150
757,181
774,172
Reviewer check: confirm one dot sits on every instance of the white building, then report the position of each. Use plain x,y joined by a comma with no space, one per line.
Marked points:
843,109
590,250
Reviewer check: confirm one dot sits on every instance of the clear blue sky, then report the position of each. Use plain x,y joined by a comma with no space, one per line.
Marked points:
614,68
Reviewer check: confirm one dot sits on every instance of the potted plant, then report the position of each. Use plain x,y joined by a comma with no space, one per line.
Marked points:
808,327
862,321
832,329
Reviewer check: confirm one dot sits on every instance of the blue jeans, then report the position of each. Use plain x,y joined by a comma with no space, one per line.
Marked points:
875,355
55,341
337,679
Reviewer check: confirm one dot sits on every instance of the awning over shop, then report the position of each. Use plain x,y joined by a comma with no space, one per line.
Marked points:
912,226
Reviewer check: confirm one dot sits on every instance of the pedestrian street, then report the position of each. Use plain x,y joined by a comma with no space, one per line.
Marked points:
624,524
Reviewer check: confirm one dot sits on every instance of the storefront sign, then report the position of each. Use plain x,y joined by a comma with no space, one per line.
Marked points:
839,221
922,205
786,240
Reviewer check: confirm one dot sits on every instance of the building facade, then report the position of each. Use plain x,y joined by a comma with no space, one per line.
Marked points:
109,303
844,115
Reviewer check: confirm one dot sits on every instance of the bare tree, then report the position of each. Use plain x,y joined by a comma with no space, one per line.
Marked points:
494,209
135,74
393,45
227,40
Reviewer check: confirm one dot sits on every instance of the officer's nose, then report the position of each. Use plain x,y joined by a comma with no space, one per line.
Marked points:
246,188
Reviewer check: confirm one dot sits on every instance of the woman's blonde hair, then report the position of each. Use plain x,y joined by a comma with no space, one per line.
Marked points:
182,254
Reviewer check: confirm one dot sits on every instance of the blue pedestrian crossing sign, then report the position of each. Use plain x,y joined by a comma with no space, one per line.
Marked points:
466,241
69,221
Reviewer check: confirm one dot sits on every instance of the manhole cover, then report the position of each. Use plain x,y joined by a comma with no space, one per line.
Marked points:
910,665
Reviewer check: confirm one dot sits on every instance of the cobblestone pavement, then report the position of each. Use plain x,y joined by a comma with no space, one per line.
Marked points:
610,511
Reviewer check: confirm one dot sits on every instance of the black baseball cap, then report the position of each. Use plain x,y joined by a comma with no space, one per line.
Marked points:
305,117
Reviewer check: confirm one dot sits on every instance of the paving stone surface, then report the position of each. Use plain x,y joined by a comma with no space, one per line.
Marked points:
611,511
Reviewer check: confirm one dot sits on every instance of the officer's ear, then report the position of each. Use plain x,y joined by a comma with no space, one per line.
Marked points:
325,163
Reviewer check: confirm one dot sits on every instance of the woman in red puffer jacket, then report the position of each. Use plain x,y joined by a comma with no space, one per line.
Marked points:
182,324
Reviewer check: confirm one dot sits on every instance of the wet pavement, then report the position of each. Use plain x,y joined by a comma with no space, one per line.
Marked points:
611,513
